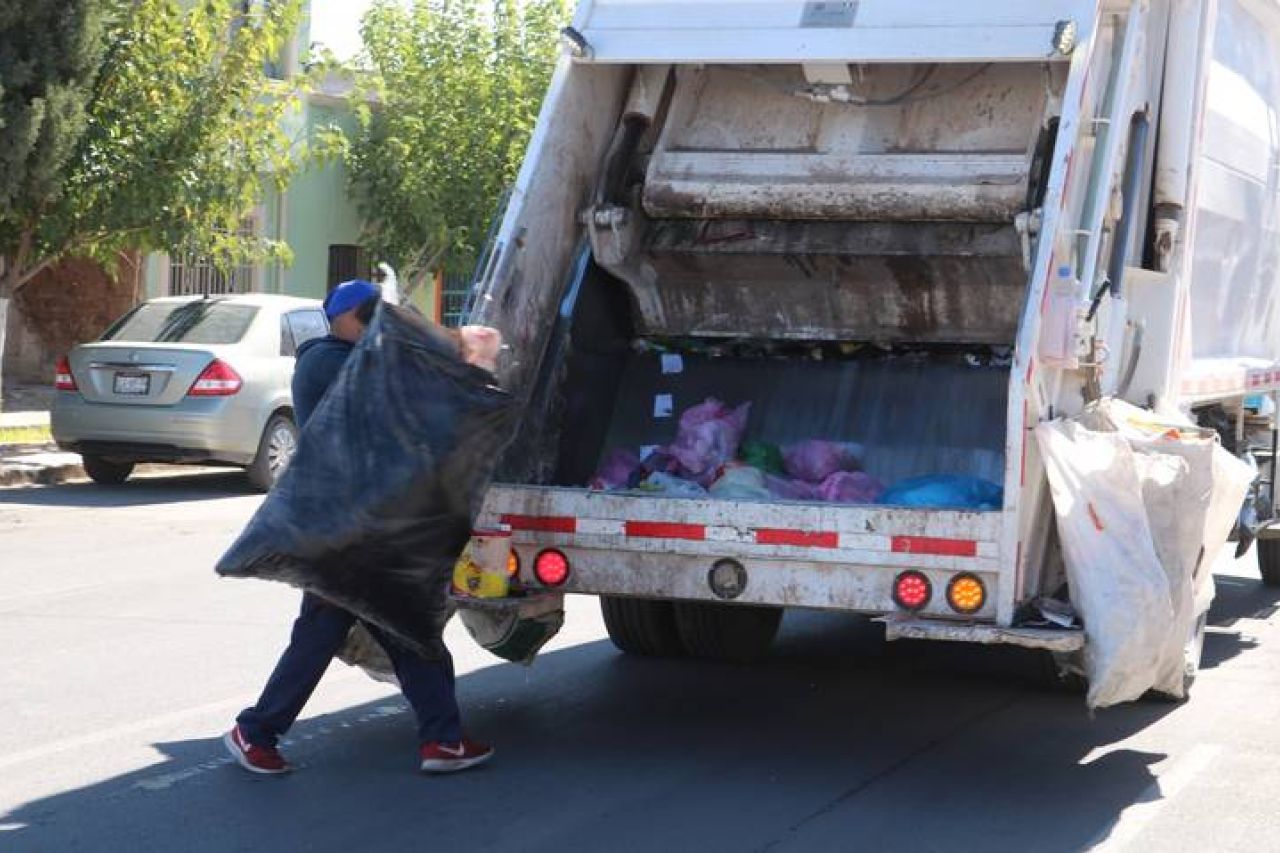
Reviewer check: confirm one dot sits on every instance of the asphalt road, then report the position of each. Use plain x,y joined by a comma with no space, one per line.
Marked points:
124,659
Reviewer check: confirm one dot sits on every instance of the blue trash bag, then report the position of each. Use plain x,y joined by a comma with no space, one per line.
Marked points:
945,491
378,501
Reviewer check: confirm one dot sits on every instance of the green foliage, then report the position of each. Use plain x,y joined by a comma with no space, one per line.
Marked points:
139,124
458,85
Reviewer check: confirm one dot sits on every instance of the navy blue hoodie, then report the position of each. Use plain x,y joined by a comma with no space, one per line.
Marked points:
319,362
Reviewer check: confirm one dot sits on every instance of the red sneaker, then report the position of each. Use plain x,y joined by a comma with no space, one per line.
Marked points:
440,757
255,759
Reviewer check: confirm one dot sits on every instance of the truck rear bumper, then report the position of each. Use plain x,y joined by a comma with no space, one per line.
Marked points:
1054,640
790,555
785,583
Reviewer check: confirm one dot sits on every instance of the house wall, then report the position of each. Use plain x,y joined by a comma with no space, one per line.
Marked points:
318,213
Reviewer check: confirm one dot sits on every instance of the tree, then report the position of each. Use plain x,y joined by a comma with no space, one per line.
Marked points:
138,125
458,85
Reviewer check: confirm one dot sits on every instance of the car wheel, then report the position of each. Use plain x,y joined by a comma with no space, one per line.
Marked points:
105,472
275,449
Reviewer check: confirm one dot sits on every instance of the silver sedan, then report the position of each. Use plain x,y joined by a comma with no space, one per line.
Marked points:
201,380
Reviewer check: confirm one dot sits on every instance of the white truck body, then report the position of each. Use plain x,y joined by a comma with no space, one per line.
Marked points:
918,172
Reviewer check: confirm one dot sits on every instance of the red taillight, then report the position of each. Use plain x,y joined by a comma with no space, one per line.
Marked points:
551,568
62,378
912,590
217,380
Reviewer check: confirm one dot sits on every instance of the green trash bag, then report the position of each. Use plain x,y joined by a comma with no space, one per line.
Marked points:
763,455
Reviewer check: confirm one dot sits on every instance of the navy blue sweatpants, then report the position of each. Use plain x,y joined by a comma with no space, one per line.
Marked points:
318,634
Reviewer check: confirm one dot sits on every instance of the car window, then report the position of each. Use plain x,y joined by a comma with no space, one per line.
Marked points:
287,345
306,325
199,322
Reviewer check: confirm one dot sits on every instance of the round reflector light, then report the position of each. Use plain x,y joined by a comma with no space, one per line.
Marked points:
912,590
966,594
513,564
551,568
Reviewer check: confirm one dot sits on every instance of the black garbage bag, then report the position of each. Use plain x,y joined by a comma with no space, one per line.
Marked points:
379,499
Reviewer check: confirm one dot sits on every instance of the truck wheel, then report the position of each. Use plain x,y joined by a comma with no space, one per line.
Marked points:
1269,561
104,471
639,626
275,449
727,632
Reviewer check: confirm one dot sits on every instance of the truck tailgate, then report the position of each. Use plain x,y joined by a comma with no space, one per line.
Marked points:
806,555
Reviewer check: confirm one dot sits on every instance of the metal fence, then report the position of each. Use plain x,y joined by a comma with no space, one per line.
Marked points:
454,290
193,275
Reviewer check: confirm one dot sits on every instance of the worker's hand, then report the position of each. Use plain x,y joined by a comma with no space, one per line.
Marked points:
480,346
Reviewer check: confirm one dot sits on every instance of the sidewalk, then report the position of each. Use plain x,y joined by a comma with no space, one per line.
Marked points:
28,455
37,467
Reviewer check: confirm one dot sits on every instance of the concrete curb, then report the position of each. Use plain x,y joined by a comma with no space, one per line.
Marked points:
15,473
32,475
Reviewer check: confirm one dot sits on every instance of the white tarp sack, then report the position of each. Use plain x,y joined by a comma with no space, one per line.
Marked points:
1190,490
1190,520
1117,583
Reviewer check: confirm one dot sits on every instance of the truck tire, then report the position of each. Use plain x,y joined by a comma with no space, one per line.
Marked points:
104,472
734,633
1269,561
639,626
275,449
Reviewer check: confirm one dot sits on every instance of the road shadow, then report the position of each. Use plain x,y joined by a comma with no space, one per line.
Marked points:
834,743
167,488
1236,599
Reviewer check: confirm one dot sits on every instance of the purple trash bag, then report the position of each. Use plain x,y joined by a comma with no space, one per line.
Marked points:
791,490
708,437
616,471
851,487
815,460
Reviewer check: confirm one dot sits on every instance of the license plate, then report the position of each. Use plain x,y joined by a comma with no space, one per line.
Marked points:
132,383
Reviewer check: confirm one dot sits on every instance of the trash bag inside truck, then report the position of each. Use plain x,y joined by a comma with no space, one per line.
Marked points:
842,425
379,499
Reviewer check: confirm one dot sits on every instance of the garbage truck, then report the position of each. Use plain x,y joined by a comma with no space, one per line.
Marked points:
909,230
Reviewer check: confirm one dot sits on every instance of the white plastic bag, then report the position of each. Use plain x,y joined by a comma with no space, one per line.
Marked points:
1189,519
1117,582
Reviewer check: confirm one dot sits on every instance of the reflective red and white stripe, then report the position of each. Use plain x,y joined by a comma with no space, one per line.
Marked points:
1231,381
776,536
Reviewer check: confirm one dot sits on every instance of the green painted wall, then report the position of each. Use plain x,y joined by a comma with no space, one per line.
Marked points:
316,214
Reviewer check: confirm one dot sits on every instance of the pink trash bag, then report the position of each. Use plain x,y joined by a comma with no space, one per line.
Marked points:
791,490
616,471
708,437
815,460
851,487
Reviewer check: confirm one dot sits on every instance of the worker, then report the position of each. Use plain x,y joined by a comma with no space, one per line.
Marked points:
322,627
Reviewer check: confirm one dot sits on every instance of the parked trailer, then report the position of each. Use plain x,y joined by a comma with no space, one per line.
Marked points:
1081,193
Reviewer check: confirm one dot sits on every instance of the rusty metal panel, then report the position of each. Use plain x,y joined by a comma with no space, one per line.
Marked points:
888,282
764,143
534,247
971,188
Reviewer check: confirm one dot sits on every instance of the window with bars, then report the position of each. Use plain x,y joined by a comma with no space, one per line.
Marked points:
345,263
193,275
454,290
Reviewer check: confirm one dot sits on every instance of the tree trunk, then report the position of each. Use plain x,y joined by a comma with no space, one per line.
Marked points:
4,325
